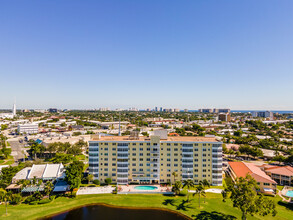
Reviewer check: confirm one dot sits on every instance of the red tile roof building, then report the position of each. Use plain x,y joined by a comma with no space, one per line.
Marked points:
241,169
283,175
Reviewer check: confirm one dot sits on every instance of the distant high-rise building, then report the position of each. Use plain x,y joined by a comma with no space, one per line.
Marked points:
52,110
263,114
224,110
206,110
161,109
104,109
215,110
156,109
224,117
14,109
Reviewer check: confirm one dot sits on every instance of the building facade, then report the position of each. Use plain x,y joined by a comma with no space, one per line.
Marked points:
152,160
265,114
28,128
224,117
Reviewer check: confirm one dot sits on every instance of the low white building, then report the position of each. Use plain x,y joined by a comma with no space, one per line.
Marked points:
41,171
28,128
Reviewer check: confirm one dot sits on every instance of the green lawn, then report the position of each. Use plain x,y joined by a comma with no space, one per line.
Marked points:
7,161
214,208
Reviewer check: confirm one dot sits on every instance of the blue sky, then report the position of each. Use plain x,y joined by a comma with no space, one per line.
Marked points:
185,54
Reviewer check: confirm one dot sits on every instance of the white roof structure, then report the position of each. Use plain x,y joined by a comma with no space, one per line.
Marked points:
53,170
47,171
21,175
37,171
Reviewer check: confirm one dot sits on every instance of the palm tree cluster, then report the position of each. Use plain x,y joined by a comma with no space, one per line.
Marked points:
199,189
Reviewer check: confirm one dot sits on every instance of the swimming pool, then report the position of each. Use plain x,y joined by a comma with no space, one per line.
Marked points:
145,187
289,193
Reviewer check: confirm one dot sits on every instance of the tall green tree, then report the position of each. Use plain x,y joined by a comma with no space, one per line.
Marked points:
243,194
5,197
205,184
90,178
48,187
199,190
174,174
73,174
177,187
188,184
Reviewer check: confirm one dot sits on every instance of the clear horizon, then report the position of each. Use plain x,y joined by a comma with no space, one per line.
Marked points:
120,54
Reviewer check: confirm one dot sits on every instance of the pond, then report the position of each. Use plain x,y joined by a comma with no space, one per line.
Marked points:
103,212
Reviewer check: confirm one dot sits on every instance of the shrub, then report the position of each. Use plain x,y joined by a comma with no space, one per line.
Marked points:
115,190
34,202
29,199
16,199
52,197
97,182
108,181
44,201
183,192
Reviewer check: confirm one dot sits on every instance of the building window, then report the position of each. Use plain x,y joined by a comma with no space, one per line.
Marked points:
141,149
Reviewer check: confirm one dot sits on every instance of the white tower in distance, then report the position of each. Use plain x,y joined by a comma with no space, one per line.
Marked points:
14,109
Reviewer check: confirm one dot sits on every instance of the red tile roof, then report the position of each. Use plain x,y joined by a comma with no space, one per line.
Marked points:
241,169
285,171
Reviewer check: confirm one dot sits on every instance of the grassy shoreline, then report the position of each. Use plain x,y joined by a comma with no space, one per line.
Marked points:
213,208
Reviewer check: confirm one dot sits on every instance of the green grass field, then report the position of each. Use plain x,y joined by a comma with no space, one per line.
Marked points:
214,208
7,161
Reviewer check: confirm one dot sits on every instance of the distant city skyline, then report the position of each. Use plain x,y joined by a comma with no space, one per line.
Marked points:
155,108
143,54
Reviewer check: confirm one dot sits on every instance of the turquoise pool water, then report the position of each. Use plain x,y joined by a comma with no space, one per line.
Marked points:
289,193
145,187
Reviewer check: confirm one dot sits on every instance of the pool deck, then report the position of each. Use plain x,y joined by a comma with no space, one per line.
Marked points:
283,193
95,190
130,189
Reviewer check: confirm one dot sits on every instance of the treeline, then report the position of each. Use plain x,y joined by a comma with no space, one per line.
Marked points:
57,151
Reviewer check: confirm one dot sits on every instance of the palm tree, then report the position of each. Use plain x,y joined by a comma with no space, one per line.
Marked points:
188,184
48,188
174,174
34,180
5,197
205,184
200,191
177,187
90,178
